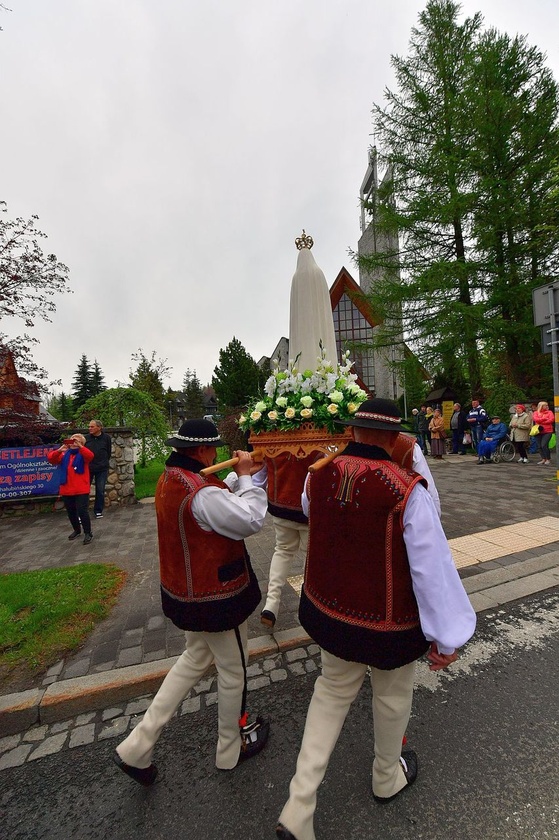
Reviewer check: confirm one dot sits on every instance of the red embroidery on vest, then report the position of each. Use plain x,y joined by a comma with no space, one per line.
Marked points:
350,471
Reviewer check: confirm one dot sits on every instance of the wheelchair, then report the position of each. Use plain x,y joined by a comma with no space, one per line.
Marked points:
505,451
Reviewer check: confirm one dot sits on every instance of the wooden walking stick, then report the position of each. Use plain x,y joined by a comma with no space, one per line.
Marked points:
256,456
327,459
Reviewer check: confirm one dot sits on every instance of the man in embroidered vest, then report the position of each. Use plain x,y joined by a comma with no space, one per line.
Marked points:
380,590
208,589
285,478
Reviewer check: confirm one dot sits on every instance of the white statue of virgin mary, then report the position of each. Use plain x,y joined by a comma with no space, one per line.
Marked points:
310,314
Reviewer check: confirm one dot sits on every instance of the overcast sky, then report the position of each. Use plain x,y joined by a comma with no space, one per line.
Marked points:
173,150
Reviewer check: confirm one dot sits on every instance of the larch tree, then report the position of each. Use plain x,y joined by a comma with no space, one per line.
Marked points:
469,138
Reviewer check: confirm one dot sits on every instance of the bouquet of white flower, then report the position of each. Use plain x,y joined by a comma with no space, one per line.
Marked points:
292,398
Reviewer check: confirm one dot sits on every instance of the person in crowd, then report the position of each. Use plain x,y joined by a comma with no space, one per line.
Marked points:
533,449
494,434
100,444
415,423
429,416
520,425
438,434
73,458
283,479
543,416
458,428
422,427
208,589
374,597
476,420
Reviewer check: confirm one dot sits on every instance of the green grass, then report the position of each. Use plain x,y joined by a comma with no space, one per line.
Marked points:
146,478
46,614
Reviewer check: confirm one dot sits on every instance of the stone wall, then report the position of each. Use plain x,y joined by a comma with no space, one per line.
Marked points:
120,483
120,489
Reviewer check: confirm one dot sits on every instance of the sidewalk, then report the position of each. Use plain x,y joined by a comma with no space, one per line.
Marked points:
510,508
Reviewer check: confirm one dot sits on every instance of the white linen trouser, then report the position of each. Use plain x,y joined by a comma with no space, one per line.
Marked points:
334,693
201,650
290,537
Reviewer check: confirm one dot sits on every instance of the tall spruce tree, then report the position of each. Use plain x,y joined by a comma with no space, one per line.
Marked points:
237,378
97,380
194,396
82,384
61,407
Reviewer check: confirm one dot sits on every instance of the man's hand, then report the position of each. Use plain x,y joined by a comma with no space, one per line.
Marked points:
245,464
440,660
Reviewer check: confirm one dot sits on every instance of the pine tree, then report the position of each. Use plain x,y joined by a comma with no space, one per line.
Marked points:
82,385
61,407
97,380
194,396
237,378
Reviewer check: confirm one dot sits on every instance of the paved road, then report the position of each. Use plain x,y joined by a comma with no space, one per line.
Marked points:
473,498
486,733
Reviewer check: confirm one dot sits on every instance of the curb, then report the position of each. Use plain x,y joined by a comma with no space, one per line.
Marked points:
68,698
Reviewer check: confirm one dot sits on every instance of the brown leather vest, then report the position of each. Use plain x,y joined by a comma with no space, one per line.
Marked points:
207,582
403,450
357,600
286,480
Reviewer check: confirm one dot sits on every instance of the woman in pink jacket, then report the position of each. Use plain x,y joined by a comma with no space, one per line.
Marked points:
73,458
546,421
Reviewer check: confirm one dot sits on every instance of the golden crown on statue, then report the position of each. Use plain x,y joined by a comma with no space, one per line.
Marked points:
304,241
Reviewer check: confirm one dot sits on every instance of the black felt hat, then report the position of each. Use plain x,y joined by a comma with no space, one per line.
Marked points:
375,414
195,433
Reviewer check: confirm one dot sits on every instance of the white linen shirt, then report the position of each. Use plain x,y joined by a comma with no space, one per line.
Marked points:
235,515
419,465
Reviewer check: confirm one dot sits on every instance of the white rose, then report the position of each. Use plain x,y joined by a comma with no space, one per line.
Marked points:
272,415
336,396
260,406
307,401
281,401
290,413
255,415
332,408
306,413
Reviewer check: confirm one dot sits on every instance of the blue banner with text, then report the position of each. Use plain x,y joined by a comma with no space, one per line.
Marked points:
25,471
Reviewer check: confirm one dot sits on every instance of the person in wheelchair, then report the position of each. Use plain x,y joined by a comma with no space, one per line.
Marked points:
493,436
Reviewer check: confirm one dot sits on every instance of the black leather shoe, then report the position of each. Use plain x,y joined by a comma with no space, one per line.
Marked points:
267,618
409,766
254,737
74,535
143,775
283,833
87,539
